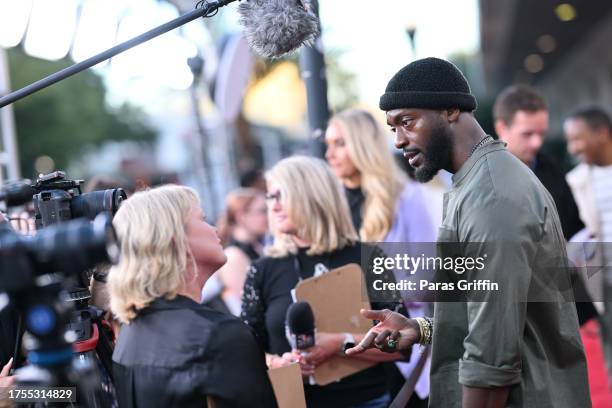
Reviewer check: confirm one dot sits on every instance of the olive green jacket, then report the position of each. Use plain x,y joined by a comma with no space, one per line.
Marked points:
525,334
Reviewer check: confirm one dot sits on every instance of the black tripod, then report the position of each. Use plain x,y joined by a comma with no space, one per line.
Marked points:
54,361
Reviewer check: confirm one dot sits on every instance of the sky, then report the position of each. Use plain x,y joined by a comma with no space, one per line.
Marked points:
376,42
373,39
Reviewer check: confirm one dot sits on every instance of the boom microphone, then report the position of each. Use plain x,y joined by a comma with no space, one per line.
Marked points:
300,325
274,28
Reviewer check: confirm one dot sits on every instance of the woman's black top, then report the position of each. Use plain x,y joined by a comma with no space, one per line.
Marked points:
177,352
217,302
355,198
267,296
245,247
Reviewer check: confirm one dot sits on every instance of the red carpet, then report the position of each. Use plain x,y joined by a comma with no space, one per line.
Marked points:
598,375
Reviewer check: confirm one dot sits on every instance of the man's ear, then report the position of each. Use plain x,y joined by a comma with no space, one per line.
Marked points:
453,115
601,135
500,127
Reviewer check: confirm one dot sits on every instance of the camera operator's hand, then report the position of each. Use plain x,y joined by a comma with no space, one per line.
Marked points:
5,379
392,326
5,382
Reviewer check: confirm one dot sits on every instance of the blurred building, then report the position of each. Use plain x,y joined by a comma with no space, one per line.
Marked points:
562,48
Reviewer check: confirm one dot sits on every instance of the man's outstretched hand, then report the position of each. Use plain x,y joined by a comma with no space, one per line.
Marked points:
393,326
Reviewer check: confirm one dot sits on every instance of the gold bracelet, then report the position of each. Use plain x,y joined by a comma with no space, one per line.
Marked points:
421,322
426,329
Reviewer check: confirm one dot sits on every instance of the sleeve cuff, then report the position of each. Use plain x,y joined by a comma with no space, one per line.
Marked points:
476,374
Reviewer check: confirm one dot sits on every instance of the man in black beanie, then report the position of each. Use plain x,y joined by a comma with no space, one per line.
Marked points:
507,335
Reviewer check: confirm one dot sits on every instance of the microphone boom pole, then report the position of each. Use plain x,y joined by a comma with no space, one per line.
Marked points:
205,10
313,72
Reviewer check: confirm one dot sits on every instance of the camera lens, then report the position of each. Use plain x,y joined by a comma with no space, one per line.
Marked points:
74,246
91,204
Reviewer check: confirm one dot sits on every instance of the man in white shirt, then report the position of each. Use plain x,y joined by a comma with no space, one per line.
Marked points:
589,138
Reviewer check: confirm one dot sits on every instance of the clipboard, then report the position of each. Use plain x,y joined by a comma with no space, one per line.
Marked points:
336,298
288,386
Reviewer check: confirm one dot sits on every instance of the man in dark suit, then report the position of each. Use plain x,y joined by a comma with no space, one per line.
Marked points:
521,120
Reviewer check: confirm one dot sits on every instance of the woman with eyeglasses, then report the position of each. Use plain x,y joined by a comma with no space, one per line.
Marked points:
313,233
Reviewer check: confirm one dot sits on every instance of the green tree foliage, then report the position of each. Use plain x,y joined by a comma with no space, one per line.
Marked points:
69,117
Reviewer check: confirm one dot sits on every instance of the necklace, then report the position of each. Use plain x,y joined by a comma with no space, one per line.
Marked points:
481,143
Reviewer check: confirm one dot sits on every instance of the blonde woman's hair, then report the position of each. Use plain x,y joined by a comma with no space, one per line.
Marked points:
154,250
315,203
382,180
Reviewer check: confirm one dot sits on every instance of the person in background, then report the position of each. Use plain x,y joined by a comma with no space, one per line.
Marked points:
521,120
173,351
589,138
241,227
313,233
588,133
97,284
253,178
385,206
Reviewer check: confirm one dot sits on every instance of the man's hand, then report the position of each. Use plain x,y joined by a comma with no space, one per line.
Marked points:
393,326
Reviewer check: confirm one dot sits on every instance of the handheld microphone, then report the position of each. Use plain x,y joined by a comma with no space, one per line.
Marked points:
300,325
274,28
17,193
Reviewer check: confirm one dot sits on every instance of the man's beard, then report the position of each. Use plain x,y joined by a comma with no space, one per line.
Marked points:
437,155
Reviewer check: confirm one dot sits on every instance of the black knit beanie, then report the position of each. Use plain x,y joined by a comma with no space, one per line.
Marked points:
428,83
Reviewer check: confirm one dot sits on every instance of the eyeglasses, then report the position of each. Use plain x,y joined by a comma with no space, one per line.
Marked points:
274,197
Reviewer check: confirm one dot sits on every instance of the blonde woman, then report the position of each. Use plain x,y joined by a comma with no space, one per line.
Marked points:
385,205
172,351
313,233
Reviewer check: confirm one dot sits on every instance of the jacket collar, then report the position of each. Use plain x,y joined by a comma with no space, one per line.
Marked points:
178,302
476,156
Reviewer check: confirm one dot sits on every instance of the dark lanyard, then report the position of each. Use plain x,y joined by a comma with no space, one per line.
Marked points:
297,265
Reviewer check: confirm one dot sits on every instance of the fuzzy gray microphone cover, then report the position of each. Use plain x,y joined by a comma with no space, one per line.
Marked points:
274,28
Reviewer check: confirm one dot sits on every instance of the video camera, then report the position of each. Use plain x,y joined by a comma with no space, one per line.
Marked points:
69,249
39,274
57,199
